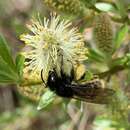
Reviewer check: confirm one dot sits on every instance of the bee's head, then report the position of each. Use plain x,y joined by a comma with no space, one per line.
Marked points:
52,77
53,80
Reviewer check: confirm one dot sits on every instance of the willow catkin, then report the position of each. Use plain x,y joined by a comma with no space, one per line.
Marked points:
32,91
103,34
67,6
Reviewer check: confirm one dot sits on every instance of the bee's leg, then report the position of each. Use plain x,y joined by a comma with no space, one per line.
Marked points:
42,78
72,73
95,77
66,78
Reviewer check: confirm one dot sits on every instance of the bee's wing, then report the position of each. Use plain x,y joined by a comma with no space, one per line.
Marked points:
92,95
92,92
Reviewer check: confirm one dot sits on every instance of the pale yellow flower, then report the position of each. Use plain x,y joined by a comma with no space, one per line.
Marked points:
53,45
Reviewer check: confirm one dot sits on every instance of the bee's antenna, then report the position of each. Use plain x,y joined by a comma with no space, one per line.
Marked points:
42,77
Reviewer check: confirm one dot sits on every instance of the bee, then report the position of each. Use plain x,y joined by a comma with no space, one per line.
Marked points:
91,91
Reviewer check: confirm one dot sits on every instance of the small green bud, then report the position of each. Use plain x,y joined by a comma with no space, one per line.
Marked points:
89,3
103,34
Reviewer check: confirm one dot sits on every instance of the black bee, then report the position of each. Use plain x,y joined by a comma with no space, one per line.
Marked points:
91,91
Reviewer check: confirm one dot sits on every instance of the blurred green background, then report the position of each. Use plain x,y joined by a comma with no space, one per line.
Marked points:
18,112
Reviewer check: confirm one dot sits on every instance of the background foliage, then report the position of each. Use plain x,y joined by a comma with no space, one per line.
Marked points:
105,25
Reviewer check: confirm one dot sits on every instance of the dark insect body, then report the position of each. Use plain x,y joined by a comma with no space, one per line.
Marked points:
91,91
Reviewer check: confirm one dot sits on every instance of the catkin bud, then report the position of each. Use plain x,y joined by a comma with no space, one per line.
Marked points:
66,6
103,34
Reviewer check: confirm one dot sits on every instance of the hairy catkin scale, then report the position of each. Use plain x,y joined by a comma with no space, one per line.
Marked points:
66,6
103,34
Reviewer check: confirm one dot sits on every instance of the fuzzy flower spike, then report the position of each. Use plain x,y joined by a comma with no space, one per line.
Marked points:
53,45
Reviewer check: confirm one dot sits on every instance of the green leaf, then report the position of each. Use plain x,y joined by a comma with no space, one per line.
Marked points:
88,76
95,55
46,99
8,72
20,64
119,61
5,53
104,6
120,4
7,75
121,33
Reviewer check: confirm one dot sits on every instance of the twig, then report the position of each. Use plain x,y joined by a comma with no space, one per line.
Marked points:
112,71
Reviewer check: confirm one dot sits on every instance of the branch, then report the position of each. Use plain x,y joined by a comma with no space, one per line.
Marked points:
112,71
